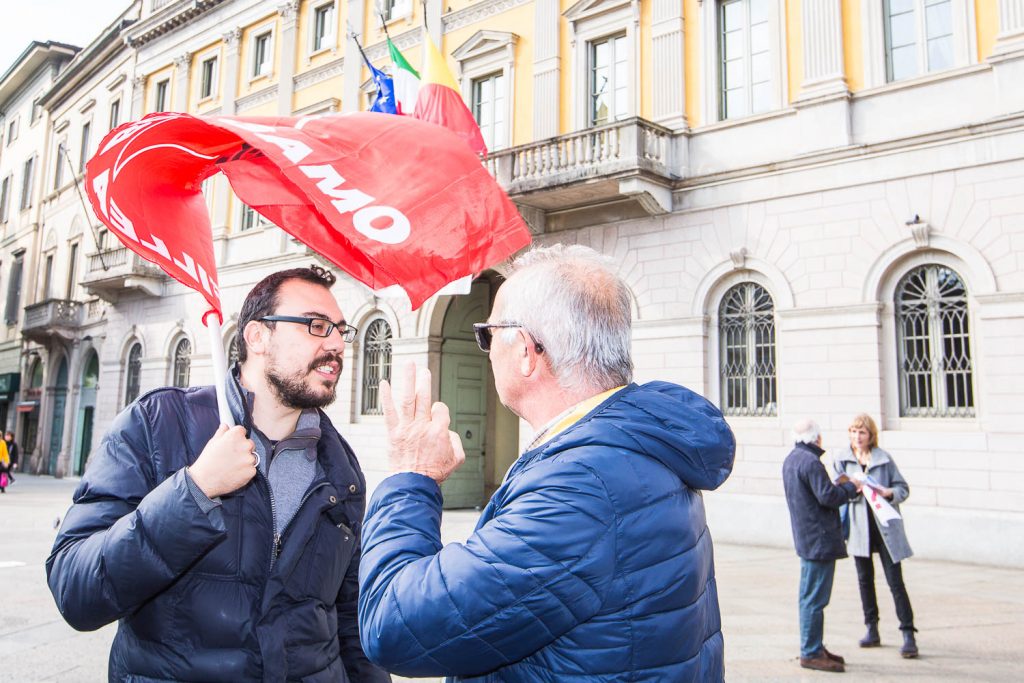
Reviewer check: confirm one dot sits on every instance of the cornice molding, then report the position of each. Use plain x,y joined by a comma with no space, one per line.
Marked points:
470,15
253,100
319,74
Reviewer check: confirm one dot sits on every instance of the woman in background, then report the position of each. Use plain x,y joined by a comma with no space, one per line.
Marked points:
862,458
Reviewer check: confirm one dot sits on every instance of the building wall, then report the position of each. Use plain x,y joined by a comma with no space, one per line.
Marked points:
825,200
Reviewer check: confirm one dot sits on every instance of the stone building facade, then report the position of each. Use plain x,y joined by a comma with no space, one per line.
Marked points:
818,207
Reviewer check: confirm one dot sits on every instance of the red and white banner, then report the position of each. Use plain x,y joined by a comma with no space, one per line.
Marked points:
388,199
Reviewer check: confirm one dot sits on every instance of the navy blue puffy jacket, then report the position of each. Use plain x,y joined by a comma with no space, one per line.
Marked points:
191,589
592,561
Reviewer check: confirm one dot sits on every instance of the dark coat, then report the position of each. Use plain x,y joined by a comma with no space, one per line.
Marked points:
592,561
814,503
194,592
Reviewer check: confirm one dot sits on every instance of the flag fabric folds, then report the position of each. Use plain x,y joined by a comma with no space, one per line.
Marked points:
388,199
439,100
384,100
407,81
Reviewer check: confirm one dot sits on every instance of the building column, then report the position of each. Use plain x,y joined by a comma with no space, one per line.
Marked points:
352,74
138,98
824,70
546,72
286,84
668,80
229,92
182,67
1010,38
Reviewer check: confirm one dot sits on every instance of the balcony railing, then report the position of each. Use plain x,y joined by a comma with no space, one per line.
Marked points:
112,272
631,145
52,317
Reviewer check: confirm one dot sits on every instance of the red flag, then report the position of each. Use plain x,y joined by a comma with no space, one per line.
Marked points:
388,199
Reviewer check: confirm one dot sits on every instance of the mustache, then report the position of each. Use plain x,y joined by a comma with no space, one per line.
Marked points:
327,358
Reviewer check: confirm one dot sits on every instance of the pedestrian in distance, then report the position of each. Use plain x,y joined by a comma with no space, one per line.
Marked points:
863,458
593,560
12,453
228,554
5,468
814,501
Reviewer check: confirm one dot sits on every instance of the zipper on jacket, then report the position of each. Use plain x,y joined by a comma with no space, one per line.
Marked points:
275,547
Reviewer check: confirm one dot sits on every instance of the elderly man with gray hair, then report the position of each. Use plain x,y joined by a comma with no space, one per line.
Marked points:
814,502
593,560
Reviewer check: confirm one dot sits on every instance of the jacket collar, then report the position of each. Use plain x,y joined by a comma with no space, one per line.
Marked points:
878,456
812,448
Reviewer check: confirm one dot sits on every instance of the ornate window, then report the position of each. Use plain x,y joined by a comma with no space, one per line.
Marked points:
376,363
182,362
133,374
746,330
933,343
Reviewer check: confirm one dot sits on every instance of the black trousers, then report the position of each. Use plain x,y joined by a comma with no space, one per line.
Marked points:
893,576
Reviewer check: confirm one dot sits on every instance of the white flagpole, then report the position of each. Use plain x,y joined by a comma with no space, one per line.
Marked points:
220,369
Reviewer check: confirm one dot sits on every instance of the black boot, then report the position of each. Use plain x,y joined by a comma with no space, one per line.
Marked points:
871,638
909,649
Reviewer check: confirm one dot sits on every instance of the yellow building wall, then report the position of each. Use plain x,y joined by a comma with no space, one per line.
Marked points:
646,51
247,85
794,49
165,73
853,40
196,77
692,61
987,20
318,92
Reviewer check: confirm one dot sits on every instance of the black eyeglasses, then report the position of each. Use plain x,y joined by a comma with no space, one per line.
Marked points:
483,334
318,327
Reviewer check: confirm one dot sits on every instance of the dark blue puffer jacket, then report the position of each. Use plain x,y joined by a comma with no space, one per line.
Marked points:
592,561
190,588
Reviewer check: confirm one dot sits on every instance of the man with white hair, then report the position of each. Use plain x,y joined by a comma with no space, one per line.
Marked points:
814,502
593,559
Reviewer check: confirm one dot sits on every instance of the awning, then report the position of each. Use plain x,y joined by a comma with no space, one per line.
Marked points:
27,406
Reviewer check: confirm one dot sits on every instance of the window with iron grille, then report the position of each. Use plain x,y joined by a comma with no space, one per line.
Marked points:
746,331
182,362
376,364
133,375
934,344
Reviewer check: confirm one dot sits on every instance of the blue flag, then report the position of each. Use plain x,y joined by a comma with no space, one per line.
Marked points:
384,102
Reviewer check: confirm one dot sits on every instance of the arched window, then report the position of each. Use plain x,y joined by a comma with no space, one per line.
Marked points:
133,374
376,363
233,350
182,362
746,330
933,343
91,374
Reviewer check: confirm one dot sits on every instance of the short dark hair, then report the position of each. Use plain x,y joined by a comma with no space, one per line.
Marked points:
262,300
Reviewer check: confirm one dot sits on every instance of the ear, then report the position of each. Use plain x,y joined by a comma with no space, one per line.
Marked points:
256,336
530,362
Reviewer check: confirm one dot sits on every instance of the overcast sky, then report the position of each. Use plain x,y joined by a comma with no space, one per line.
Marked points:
76,22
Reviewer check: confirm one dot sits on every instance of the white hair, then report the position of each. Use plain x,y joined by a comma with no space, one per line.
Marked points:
806,431
573,303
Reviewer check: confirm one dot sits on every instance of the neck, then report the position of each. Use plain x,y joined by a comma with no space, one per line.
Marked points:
553,403
275,420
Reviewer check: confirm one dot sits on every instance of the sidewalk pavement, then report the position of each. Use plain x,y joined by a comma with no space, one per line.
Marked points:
971,618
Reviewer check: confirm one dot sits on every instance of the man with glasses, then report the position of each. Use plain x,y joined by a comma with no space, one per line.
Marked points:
228,554
592,561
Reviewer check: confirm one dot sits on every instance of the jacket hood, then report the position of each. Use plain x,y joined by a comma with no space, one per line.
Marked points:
663,421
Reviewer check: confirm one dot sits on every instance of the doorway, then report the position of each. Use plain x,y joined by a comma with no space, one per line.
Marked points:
86,412
60,400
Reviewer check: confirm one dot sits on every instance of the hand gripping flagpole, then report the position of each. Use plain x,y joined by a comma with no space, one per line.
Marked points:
220,367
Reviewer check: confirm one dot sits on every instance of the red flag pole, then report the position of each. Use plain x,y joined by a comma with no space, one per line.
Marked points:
220,367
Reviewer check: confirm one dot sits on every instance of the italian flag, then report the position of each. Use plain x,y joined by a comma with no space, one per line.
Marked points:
433,95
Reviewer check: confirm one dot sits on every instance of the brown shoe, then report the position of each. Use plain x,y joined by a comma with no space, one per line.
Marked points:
821,662
834,657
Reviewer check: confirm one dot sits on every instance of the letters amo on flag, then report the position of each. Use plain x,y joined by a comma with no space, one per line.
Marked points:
388,199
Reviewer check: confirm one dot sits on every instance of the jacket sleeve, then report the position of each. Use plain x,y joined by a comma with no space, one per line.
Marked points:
541,566
899,486
828,495
357,665
126,537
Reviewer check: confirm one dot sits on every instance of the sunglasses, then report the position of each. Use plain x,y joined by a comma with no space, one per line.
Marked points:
484,335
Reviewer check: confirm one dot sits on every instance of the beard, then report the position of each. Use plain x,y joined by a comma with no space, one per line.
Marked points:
297,390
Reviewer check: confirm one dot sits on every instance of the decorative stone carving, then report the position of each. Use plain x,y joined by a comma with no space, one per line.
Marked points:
739,258
920,231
